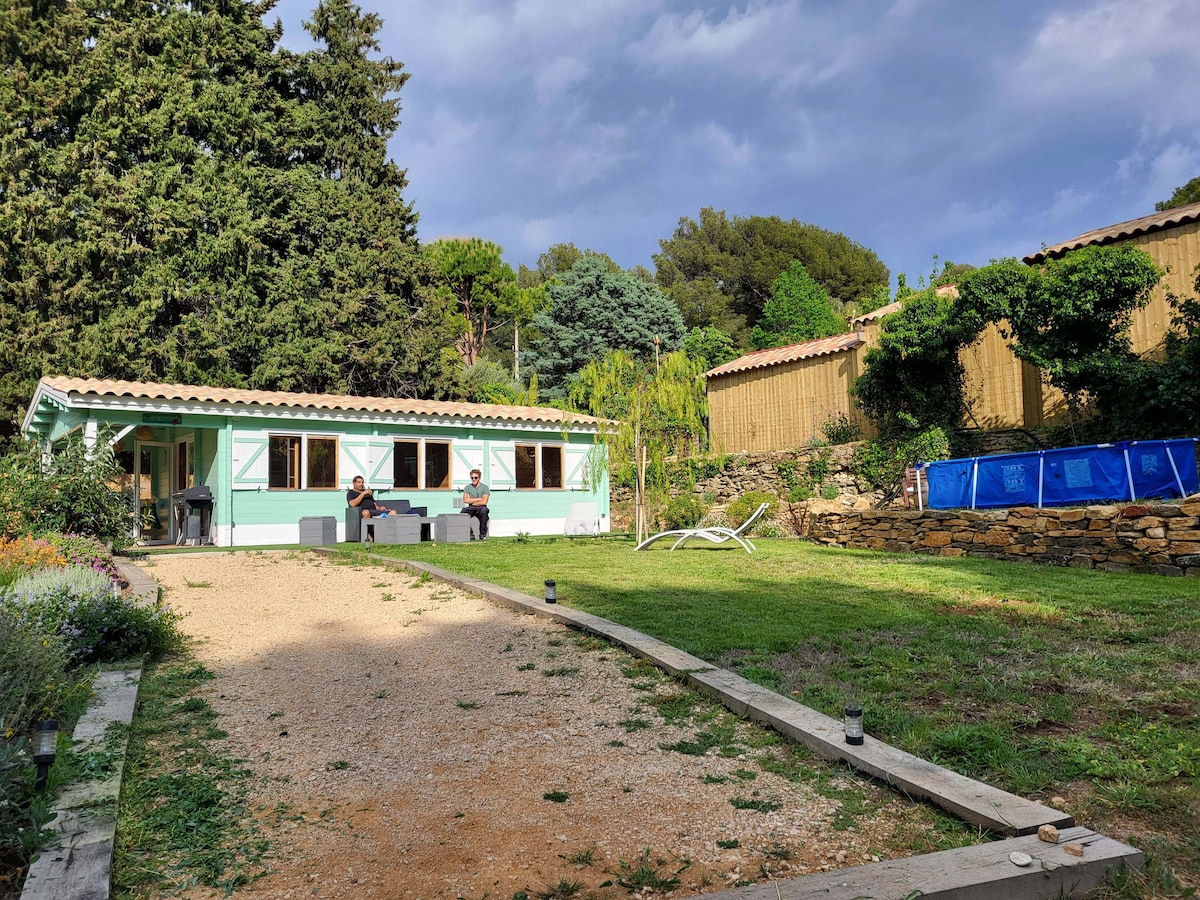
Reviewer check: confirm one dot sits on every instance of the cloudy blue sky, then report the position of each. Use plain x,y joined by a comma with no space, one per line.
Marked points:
966,130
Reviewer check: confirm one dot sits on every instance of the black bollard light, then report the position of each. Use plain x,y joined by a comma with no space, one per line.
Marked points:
551,591
45,748
854,725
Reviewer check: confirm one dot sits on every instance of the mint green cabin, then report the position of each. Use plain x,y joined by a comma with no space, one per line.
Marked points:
270,458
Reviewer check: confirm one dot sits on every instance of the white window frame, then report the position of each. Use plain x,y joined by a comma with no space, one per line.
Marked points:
421,442
539,449
302,475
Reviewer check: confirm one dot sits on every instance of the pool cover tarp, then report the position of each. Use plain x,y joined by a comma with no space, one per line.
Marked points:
1065,477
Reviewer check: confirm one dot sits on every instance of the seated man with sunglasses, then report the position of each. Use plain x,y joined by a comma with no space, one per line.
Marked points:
475,499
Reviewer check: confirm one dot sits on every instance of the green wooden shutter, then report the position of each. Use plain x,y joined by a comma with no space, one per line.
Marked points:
250,461
352,460
466,455
379,454
575,465
501,465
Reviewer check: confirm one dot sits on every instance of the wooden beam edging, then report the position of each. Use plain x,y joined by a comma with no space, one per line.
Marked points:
145,588
78,864
978,872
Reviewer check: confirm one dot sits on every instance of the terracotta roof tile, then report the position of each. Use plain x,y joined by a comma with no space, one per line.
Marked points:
287,400
792,353
1146,224
895,306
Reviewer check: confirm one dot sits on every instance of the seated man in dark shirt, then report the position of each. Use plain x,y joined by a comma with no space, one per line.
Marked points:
361,497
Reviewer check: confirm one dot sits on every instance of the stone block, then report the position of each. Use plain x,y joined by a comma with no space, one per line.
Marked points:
1149,545
876,543
1080,562
1166,510
1192,572
1158,570
1111,567
1182,522
1188,560
998,538
1148,522
939,539
1102,512
1100,525
1124,557
953,551
1158,533
1190,509
1135,511
1185,535
1070,515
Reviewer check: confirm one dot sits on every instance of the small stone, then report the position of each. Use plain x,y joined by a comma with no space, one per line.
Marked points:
1017,858
1074,848
1058,802
1048,833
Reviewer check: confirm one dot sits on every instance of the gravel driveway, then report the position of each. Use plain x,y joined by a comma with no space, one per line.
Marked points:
433,745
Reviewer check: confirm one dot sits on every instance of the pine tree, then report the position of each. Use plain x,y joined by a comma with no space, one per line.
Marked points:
180,200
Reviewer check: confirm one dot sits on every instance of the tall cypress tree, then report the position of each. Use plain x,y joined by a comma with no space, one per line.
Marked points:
180,200
351,254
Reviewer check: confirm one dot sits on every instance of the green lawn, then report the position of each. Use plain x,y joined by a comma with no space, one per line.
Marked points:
1049,682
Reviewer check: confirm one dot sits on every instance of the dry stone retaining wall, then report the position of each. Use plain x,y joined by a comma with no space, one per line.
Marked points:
744,472
1159,539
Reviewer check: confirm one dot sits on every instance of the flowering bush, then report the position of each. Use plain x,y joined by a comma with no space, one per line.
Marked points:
86,552
23,554
78,605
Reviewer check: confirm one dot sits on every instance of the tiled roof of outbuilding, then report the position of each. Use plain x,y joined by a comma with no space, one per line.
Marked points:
1168,218
286,400
791,353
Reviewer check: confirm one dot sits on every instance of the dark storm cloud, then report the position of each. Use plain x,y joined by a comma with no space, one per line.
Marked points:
969,131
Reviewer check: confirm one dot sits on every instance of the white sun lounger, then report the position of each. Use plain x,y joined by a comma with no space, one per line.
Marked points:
712,535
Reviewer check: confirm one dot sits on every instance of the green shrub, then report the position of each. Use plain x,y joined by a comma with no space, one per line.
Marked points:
819,467
74,494
78,604
840,430
741,509
830,492
33,673
23,815
800,493
881,462
681,512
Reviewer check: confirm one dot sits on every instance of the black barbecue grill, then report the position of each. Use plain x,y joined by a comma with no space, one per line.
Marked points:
193,515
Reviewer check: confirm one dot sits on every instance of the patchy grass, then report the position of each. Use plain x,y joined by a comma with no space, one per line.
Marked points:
1049,682
183,818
